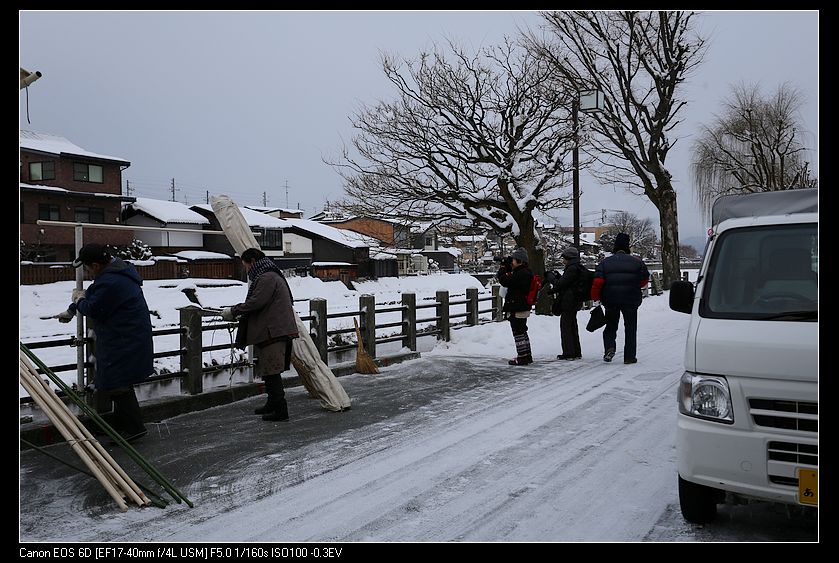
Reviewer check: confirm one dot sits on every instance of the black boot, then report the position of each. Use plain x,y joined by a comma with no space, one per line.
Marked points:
276,399
128,418
264,409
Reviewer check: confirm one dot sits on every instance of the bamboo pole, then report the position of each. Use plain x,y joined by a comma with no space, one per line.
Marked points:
74,443
155,498
87,410
97,450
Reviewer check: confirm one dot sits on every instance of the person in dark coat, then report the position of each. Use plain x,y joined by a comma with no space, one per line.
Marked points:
516,277
124,349
269,324
566,304
618,280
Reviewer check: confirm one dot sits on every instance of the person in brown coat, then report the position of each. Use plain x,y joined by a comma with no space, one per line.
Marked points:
268,323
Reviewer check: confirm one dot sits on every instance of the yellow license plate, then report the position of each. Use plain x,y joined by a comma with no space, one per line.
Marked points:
808,486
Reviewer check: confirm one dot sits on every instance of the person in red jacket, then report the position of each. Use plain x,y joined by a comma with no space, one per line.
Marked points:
618,280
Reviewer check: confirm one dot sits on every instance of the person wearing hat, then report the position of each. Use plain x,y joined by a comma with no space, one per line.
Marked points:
124,349
618,280
516,277
567,303
268,317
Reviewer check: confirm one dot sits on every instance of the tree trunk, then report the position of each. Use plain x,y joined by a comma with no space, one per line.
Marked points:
669,219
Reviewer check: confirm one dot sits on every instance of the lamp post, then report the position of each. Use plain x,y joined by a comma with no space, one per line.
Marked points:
588,101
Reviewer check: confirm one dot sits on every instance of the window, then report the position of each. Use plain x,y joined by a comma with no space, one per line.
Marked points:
273,238
87,172
48,212
42,170
766,272
90,215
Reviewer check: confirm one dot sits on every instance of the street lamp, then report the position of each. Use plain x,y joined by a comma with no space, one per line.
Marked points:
587,101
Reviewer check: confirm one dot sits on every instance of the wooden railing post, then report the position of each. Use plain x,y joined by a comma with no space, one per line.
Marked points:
191,348
472,306
497,303
367,305
318,327
443,324
409,321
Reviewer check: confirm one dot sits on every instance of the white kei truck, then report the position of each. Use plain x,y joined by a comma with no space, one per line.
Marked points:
748,422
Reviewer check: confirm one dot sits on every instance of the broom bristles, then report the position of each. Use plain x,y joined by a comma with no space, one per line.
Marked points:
363,362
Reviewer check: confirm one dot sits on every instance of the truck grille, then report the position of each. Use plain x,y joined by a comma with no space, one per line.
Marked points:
785,457
787,415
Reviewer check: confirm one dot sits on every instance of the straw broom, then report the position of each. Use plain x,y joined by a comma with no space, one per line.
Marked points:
363,362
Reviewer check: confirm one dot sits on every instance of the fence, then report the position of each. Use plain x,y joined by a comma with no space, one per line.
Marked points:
192,326
41,272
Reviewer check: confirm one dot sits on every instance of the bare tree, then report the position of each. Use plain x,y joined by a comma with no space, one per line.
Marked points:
638,60
479,137
688,251
641,233
755,145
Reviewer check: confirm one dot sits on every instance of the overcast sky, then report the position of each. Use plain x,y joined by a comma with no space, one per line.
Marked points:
246,103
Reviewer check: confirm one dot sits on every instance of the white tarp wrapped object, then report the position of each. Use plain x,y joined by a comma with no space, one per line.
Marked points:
316,376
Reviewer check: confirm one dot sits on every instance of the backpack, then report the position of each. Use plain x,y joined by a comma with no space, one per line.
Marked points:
535,286
582,291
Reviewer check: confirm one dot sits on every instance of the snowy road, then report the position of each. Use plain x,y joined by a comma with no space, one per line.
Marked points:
445,448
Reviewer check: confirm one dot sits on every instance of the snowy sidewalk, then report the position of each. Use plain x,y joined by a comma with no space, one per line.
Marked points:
456,446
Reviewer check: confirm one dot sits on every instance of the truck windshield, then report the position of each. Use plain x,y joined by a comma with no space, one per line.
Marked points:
764,273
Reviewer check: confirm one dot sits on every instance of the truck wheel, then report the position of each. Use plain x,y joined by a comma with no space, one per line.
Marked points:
698,502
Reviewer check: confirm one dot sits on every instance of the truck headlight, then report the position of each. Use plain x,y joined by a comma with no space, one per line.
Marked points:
705,396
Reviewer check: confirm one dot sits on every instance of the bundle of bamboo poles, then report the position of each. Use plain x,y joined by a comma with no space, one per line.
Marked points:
94,416
100,463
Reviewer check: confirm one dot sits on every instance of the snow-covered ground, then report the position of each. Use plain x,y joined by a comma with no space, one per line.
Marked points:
455,446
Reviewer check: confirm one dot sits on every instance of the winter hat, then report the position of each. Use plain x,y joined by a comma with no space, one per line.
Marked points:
570,253
621,243
520,254
91,253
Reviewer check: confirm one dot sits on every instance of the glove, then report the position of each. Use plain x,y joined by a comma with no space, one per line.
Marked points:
65,316
595,303
78,294
227,314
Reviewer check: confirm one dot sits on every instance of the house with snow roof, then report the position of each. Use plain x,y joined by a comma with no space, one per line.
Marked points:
61,181
267,230
147,212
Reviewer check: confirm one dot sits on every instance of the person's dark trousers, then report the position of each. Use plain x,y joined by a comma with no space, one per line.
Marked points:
278,408
570,335
127,416
630,327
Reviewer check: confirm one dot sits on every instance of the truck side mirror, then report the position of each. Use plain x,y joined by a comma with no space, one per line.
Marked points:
681,296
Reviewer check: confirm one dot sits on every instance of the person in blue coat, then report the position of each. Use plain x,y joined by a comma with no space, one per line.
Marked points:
124,349
618,280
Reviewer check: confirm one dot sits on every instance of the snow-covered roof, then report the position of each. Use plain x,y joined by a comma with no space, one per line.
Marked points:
263,209
332,264
451,250
168,211
254,218
341,236
66,191
201,255
469,238
55,144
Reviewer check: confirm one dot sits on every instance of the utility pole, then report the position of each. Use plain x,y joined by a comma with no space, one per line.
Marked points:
128,188
208,197
174,190
264,199
286,194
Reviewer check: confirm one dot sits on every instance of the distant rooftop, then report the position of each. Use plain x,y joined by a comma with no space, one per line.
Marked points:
55,144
